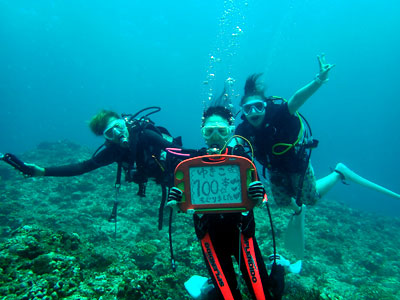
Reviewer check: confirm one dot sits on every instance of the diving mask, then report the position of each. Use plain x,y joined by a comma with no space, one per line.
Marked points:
220,129
254,107
117,131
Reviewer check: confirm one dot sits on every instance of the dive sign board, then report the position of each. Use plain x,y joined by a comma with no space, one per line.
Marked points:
215,183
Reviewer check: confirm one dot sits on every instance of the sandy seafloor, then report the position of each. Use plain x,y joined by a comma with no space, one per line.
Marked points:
56,242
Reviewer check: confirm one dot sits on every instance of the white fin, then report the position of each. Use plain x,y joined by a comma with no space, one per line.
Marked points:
194,285
295,268
294,238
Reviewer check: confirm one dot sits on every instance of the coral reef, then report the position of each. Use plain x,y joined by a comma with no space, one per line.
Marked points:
56,242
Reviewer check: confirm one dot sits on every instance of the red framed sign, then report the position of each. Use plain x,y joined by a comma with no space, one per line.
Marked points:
215,183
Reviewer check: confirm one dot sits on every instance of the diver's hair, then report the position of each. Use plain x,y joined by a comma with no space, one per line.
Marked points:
223,99
253,88
221,111
98,123
221,106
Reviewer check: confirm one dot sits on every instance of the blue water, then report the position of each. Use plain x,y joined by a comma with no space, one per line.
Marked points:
62,61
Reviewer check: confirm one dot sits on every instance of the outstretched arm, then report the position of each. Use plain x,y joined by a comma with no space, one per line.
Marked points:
103,158
66,170
301,95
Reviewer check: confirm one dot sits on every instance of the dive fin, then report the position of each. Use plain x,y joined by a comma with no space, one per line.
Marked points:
194,285
350,175
296,267
294,238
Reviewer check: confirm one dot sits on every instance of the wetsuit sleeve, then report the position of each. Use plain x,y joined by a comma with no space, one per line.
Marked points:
103,158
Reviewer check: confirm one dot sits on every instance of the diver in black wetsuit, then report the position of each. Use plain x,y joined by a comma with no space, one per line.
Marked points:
282,145
219,233
278,134
136,144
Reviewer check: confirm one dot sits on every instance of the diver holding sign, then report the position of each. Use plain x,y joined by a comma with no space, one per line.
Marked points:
215,184
224,225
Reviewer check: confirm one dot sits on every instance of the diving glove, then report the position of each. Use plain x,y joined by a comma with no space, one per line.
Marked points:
175,194
16,163
174,197
256,191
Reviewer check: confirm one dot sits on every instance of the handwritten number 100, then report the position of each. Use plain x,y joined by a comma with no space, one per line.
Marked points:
206,187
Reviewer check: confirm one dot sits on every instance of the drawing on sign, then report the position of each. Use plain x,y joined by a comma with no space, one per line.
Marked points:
215,184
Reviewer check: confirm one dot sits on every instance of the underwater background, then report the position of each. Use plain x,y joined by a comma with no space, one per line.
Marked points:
63,61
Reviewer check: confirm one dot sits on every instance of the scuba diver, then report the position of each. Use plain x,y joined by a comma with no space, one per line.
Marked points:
134,142
282,145
228,234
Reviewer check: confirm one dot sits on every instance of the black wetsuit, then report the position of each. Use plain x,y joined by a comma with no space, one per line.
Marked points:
290,173
142,148
219,235
278,126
